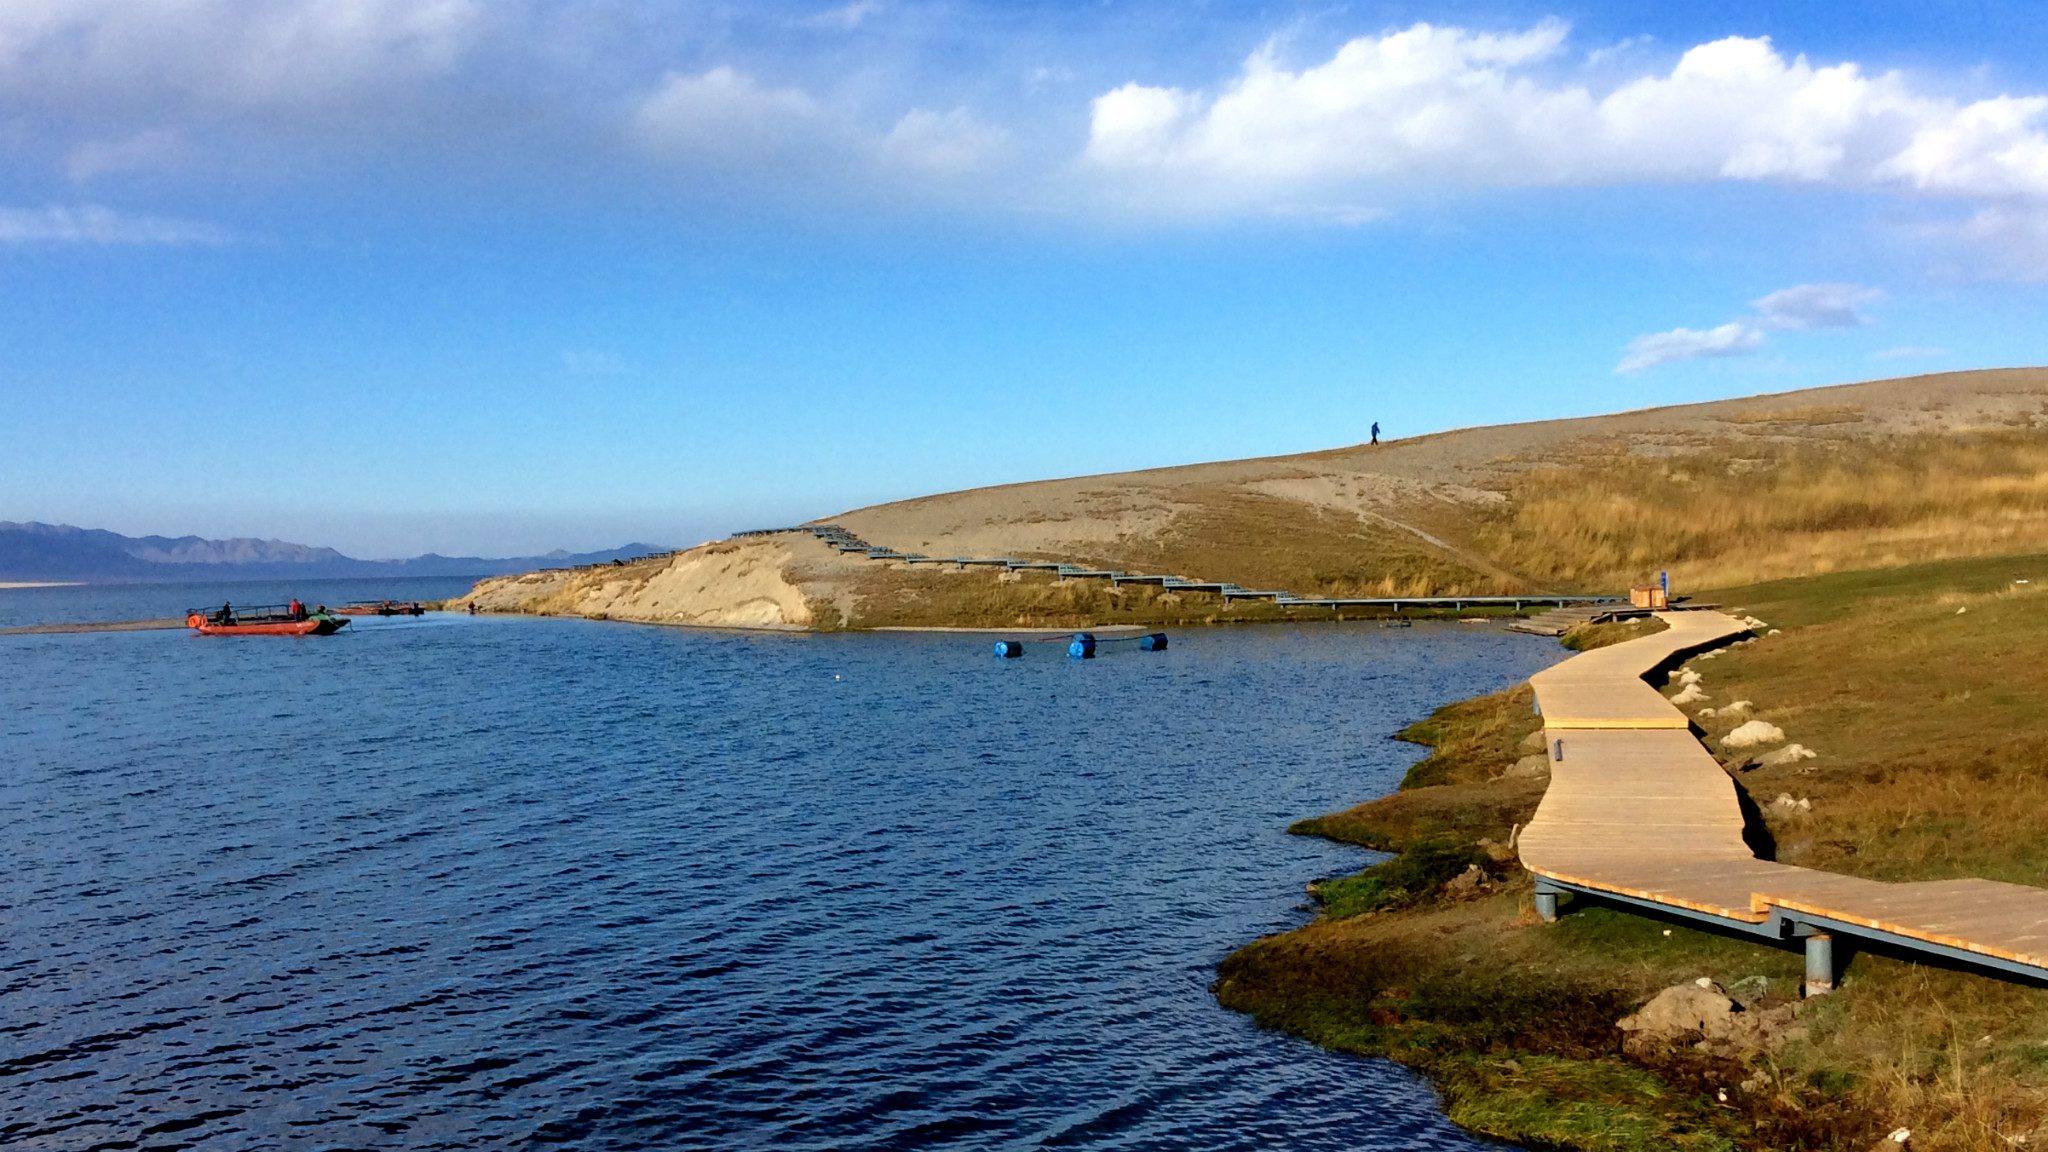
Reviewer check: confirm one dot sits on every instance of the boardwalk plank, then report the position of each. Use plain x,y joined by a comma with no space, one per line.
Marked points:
1636,807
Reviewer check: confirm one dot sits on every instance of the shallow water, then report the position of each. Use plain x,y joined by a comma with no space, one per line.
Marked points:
480,883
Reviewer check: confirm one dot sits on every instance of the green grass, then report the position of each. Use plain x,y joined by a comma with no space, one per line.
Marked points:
1514,1021
1602,1105
1821,599
1587,637
1420,869
1473,741
1932,762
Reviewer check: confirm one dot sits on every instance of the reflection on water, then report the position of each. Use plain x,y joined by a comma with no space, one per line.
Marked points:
455,883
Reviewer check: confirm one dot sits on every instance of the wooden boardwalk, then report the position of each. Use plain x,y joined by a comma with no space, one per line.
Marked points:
1638,812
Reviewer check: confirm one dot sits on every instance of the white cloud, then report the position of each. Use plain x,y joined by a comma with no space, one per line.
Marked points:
299,91
725,118
943,142
1624,48
1991,148
91,224
1814,306
1432,106
1428,101
160,55
1731,339
1793,309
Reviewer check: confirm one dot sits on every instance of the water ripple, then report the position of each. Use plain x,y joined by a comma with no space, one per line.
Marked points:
491,883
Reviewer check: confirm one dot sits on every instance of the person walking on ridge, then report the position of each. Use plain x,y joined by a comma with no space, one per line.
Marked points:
1375,431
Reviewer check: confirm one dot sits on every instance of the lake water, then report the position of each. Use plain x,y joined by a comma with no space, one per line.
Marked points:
492,883
22,607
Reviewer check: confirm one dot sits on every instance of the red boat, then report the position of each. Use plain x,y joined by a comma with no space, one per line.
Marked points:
268,620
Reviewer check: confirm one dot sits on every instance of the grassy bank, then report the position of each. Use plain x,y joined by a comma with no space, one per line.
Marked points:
895,596
1918,690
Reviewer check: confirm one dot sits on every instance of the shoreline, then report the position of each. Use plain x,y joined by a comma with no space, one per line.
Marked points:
1383,621
6,584
164,624
1450,922
1534,1033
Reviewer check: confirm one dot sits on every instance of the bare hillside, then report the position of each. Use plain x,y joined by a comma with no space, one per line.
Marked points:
1855,476
1435,509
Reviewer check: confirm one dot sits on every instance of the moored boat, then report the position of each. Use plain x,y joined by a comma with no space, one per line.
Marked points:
380,608
267,620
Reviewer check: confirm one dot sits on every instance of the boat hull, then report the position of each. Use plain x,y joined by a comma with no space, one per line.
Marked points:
313,627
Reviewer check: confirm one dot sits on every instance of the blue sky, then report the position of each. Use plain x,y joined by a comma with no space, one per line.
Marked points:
401,275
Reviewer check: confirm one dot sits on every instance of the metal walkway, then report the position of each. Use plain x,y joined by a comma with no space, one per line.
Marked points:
1639,813
846,542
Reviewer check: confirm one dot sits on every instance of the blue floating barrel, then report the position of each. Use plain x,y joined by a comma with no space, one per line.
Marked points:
1156,642
1009,649
1083,646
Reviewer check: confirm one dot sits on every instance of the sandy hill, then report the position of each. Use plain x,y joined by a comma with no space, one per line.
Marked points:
1857,475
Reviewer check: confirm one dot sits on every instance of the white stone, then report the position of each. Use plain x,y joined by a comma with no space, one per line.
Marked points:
1753,733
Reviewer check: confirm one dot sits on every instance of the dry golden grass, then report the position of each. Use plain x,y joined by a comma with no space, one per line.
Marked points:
1726,514
1807,492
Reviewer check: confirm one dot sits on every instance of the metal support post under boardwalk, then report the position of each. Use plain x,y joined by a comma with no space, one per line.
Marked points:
1820,964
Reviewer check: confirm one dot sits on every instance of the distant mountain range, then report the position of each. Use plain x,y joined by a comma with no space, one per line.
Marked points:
55,552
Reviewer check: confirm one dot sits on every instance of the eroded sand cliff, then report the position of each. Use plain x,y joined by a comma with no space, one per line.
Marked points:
741,584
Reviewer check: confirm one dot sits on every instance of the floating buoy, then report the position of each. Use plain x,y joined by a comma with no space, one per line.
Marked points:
1082,645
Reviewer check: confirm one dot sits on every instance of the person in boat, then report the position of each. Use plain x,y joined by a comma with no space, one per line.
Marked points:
227,614
298,610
